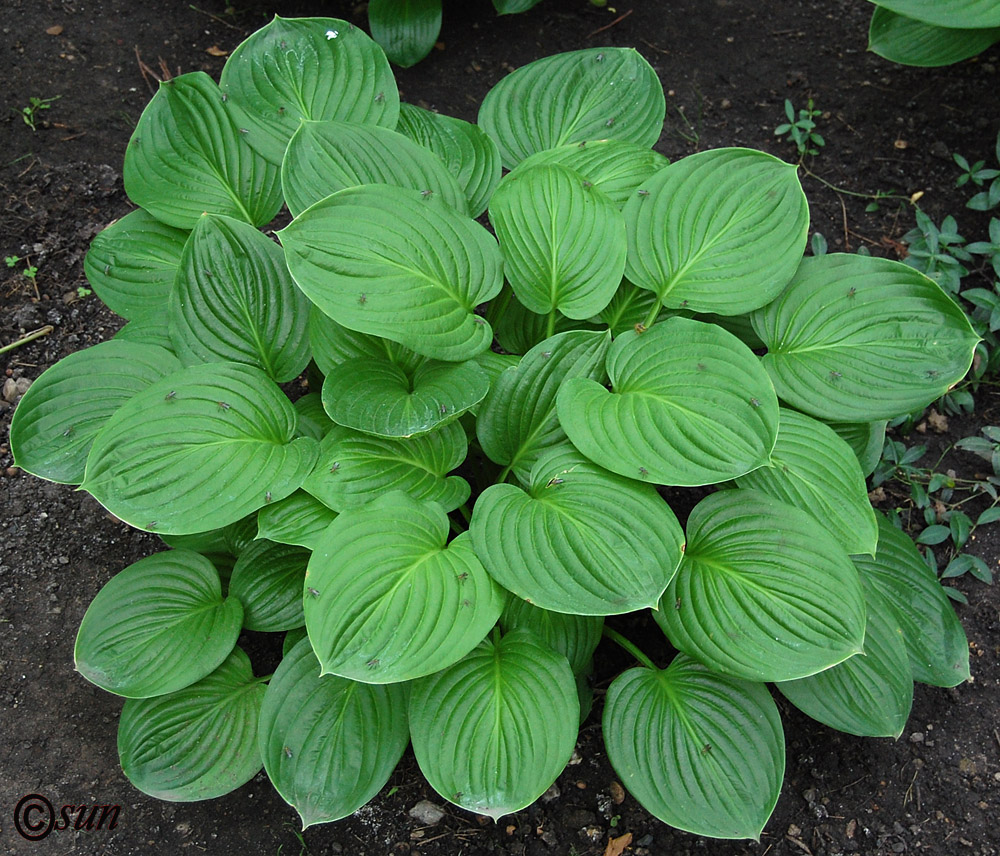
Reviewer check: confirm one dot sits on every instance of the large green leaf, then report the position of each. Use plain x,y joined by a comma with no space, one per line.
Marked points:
324,157
813,469
911,42
492,732
616,167
719,231
297,519
148,329
378,397
701,751
689,405
574,636
935,641
950,13
389,261
57,419
132,263
562,239
197,743
386,600
764,591
518,422
579,540
158,626
573,97
406,29
306,68
233,301
268,580
199,449
466,150
354,468
328,744
187,157
869,694
860,339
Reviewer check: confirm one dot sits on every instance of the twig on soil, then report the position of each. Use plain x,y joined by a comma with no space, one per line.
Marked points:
800,844
996,734
213,17
847,240
617,20
656,48
28,337
148,73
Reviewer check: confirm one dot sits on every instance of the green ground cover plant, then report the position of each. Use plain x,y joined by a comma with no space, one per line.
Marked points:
499,428
933,33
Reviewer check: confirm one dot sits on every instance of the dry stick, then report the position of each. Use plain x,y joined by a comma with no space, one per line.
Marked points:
28,337
617,20
843,208
215,18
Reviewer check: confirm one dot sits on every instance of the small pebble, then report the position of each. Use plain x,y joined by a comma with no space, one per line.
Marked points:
427,813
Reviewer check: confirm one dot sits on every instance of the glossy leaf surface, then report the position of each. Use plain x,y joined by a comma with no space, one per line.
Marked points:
157,626
912,42
268,580
574,636
297,519
197,743
493,731
388,600
328,744
701,751
753,595
689,405
954,13
406,29
199,449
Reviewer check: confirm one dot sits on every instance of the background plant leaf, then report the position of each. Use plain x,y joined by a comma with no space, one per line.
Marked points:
406,29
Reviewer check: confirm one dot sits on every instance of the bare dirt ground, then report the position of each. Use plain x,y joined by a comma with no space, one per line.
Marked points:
727,66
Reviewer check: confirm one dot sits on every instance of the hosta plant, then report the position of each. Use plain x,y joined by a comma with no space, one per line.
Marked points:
933,33
629,392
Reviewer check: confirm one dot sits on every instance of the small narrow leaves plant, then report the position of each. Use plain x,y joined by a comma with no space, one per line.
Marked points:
493,440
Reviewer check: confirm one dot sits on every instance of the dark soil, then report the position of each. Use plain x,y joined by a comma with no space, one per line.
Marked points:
727,66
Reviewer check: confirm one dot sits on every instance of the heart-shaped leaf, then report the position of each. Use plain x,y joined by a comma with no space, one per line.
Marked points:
354,468
377,397
233,301
869,694
572,97
701,751
616,167
131,264
467,151
492,732
690,405
306,68
860,339
580,540
328,744
934,638
764,592
148,329
813,469
159,462
517,330
296,519
268,580
187,157
955,13
389,261
719,231
324,157
574,636
406,29
563,241
386,600
158,626
908,41
57,419
197,743
518,422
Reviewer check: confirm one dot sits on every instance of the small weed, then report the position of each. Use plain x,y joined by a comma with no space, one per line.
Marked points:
83,291
938,252
35,106
977,175
801,130
29,270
